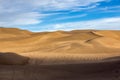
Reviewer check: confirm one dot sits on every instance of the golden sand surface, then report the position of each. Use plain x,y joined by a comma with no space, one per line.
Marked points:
59,55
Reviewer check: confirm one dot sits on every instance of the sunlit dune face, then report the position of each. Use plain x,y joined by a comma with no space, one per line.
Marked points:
77,41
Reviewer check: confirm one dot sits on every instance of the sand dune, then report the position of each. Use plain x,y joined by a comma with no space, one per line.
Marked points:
9,33
77,41
59,55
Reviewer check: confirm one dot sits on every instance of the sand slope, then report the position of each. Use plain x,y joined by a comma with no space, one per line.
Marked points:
77,41
97,43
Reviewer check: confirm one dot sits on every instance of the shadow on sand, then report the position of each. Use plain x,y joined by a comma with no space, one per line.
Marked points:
107,69
10,58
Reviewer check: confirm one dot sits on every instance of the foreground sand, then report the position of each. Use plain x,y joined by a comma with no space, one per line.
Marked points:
102,70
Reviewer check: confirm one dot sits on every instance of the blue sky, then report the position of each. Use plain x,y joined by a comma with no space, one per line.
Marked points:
51,15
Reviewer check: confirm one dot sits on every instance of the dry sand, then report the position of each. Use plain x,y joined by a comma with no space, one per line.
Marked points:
107,70
60,55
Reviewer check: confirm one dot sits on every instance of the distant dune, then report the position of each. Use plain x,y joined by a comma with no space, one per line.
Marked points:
76,41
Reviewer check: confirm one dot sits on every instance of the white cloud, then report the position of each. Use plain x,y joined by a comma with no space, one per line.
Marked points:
61,4
106,9
17,5
85,8
26,12
71,17
20,19
106,23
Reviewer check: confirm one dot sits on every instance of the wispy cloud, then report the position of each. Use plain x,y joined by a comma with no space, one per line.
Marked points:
106,23
27,12
111,9
85,8
62,5
106,9
71,17
20,19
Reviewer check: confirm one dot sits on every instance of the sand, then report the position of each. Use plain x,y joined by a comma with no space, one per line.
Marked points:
59,55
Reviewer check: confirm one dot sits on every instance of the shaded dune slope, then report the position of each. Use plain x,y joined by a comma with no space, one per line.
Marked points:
107,70
10,58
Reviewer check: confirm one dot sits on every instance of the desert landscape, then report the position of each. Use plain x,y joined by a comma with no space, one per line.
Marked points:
59,39
59,55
